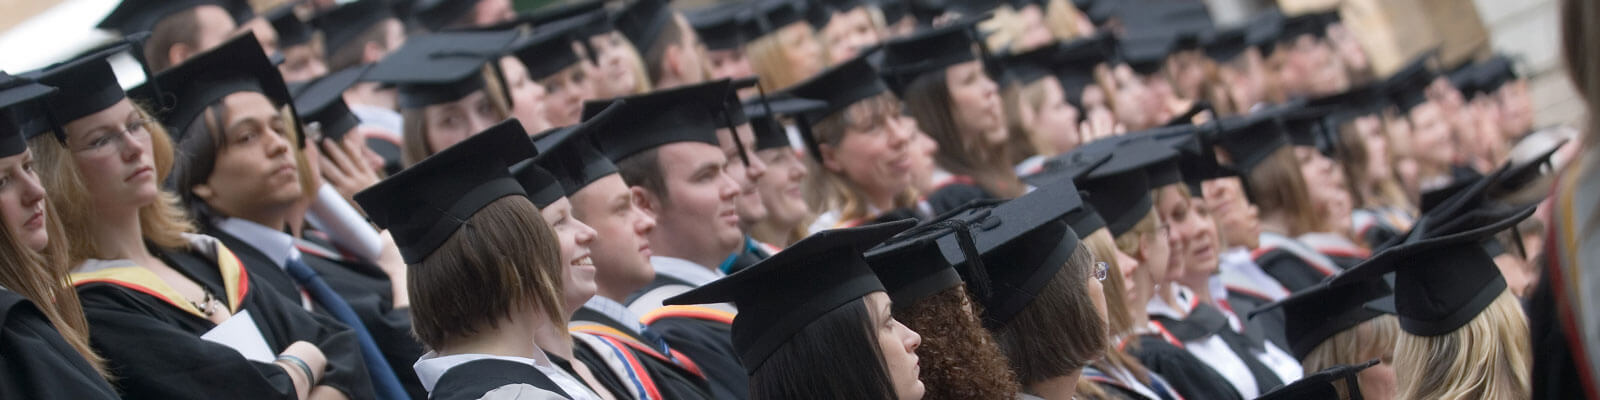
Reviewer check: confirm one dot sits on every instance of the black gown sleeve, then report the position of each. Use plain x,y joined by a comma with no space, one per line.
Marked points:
37,363
1290,271
347,371
710,345
1188,375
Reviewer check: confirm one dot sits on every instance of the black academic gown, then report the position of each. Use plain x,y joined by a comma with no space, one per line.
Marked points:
1269,324
672,374
1555,373
474,379
1204,320
364,286
953,195
1292,271
709,343
1189,376
36,362
152,343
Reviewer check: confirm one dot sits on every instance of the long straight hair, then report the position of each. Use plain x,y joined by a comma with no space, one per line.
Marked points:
835,357
1278,188
43,278
828,190
928,100
1488,358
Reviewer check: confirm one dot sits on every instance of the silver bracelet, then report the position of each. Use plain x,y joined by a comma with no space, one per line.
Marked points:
306,368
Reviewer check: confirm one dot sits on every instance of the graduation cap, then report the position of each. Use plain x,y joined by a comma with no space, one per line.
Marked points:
1354,103
569,155
341,26
86,85
1121,195
441,67
1076,62
1226,45
930,50
1519,172
425,204
719,25
291,30
545,53
1320,386
238,65
1313,24
1307,126
1196,156
1158,161
1073,166
1146,51
893,10
1030,66
20,99
769,131
1250,140
840,87
642,21
133,16
321,102
968,8
1408,87
918,263
1321,311
1495,72
541,186
1263,30
781,295
684,114
771,15
437,15
1023,243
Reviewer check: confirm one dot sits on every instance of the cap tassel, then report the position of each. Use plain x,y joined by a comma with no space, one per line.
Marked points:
978,276
162,102
734,133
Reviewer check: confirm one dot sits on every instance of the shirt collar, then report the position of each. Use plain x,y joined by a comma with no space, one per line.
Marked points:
276,245
616,311
694,274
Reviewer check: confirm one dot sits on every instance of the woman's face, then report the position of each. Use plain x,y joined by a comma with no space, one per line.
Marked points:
1136,285
565,93
849,32
617,77
578,277
1056,119
1430,136
450,123
800,49
1131,98
1174,210
899,347
22,201
1376,144
1326,183
923,149
527,96
781,189
875,154
1203,242
1378,381
728,64
1516,109
752,208
1156,254
1234,214
112,151
975,102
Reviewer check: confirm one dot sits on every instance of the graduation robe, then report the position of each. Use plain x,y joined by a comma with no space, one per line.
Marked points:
1189,376
492,379
150,335
1295,265
1204,320
36,362
364,286
643,367
705,335
1563,360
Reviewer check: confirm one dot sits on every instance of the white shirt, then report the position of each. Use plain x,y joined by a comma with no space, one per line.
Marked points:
1239,271
276,245
1211,350
432,366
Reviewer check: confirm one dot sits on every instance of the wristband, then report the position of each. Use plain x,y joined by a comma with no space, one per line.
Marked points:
306,368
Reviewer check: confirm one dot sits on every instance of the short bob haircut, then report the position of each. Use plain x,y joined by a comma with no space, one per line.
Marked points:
829,190
928,100
503,261
414,122
161,223
206,138
1488,358
836,356
955,348
1060,332
1277,187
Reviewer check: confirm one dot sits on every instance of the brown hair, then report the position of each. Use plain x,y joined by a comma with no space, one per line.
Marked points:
643,169
42,277
928,100
959,358
1060,332
161,223
182,27
414,122
829,190
655,56
503,260
1368,193
1277,187
353,52
1103,248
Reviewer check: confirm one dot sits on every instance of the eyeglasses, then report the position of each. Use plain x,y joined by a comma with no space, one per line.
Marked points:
1098,271
103,140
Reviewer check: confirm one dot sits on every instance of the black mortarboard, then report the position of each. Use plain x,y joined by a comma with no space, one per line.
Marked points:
684,114
1408,86
86,85
893,10
769,131
441,67
1312,24
20,99
642,21
1264,29
1029,66
1075,64
545,53
561,11
541,186
1354,103
1437,196
718,25
930,50
1023,242
424,205
1072,166
1321,311
133,16
1495,72
238,65
1250,140
1320,386
1306,126
1225,45
781,295
1196,156
321,102
437,15
1146,51
341,26
569,154
1122,197
1518,172
771,15
967,8
291,30
918,263
1158,161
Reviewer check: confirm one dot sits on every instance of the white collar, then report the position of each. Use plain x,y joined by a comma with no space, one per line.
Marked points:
694,274
276,245
432,366
616,311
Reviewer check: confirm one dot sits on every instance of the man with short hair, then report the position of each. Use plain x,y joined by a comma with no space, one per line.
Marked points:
673,53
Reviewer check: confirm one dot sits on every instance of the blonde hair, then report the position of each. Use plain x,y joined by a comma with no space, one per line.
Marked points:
1062,17
1488,358
829,190
1374,338
414,121
42,277
1128,242
161,223
770,59
1118,322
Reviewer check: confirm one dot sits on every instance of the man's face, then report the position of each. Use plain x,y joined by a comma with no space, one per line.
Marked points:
698,217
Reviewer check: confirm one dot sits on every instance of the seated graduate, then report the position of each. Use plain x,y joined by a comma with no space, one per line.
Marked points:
150,289
783,49
1044,100
606,337
1363,149
44,340
1430,137
667,151
357,34
847,28
782,190
861,149
546,78
737,140
474,231
822,331
178,29
298,44
1463,334
1339,382
725,28
943,83
242,177
670,49
1326,183
1330,326
447,88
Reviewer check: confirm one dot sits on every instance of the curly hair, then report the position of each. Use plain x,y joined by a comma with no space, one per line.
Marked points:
959,360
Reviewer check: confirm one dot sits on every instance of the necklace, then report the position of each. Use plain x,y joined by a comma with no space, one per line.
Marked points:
206,305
